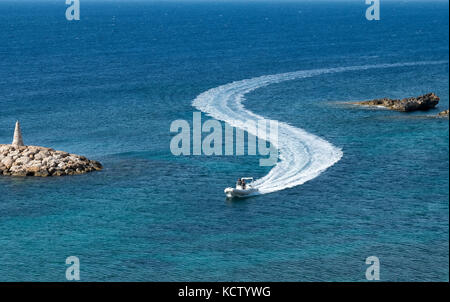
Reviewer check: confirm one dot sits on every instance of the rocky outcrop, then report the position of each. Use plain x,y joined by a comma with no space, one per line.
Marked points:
422,103
40,161
443,113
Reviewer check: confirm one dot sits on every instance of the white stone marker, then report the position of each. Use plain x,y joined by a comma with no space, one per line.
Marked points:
17,141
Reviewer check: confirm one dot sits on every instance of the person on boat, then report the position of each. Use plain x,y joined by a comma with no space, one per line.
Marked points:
243,184
238,183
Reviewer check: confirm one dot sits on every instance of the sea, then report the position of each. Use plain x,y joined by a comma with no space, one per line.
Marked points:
351,182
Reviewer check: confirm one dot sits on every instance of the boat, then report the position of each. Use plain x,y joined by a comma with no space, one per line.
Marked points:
242,190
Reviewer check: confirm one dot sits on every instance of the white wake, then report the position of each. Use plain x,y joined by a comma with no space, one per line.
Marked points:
302,155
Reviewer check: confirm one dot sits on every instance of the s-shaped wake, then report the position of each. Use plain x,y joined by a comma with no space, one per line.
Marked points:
302,155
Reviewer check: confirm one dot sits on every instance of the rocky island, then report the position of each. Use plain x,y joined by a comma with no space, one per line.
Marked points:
17,159
422,103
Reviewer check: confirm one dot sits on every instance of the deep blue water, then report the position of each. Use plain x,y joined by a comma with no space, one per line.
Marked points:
108,87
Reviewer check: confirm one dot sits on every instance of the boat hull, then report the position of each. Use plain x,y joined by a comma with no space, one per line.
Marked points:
233,192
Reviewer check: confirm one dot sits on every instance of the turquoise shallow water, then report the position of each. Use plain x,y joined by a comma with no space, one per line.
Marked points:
109,86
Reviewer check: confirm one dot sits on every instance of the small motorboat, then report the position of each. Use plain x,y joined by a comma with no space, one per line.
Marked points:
244,188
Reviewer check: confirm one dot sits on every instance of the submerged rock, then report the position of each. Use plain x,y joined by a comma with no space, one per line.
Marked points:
422,103
19,160
443,113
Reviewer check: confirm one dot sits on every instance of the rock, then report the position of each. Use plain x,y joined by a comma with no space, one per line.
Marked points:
33,169
22,160
4,148
40,161
59,173
42,173
18,170
96,165
443,113
7,161
62,154
422,103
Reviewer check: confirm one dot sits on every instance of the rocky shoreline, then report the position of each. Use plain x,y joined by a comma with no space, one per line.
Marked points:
420,103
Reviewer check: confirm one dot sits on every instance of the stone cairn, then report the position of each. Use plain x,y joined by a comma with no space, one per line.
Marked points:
17,159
